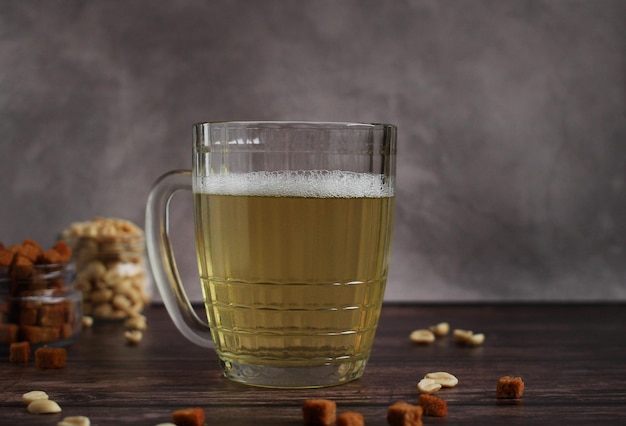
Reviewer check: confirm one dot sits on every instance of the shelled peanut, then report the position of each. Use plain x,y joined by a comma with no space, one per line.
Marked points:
111,267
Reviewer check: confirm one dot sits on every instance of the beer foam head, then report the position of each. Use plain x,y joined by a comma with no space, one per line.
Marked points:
314,184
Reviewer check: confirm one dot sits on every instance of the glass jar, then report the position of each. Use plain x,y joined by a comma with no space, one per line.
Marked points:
43,309
111,272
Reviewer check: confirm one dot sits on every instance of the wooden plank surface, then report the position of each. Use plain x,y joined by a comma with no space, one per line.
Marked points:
572,360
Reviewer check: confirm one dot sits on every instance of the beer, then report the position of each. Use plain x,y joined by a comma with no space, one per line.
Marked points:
294,270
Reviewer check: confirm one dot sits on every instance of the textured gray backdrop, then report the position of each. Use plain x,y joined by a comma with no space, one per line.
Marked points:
511,115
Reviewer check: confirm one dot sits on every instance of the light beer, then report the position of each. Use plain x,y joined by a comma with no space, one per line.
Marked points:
293,265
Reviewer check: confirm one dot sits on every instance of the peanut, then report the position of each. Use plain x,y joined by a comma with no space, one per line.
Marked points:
137,322
422,336
75,421
468,337
123,286
133,336
109,230
440,330
461,335
87,321
31,396
477,339
103,310
43,406
101,296
121,302
428,386
443,378
94,269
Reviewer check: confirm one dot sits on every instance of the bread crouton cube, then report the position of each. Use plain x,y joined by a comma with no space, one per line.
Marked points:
319,412
433,406
188,417
350,418
8,333
19,352
35,334
28,314
67,331
65,252
30,249
509,388
22,268
6,258
52,315
51,257
404,414
47,357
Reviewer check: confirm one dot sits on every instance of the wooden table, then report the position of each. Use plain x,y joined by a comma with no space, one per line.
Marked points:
572,359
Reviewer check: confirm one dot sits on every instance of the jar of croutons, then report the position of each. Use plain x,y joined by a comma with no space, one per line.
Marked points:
111,270
38,304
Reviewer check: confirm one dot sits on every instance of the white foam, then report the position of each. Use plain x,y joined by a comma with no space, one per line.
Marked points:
314,184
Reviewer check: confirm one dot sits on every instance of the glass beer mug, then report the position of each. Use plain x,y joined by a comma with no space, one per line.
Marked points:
293,225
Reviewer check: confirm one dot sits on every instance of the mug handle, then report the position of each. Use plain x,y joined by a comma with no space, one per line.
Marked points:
162,261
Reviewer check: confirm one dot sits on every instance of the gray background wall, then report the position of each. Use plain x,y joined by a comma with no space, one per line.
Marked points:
512,118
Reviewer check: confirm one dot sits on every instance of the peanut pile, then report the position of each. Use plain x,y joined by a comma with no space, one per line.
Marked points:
110,267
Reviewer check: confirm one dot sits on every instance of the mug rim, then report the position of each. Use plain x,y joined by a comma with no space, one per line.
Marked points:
296,124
